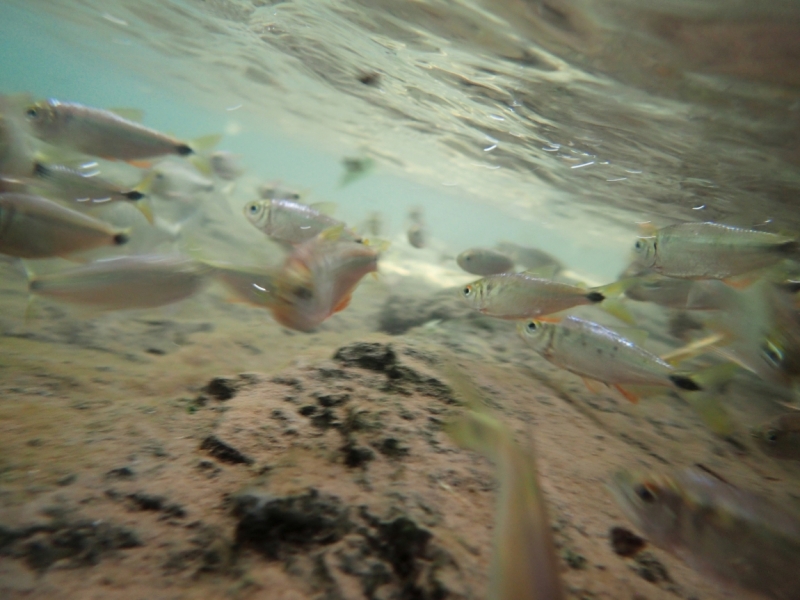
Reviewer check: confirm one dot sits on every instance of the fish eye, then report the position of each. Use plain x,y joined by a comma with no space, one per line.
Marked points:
303,293
32,112
645,493
771,435
531,326
638,245
467,291
253,209
773,355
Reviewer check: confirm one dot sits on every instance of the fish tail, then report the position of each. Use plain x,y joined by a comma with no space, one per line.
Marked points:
479,432
595,297
616,308
121,238
685,382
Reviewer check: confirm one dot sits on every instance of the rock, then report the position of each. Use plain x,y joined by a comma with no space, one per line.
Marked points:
224,452
625,542
356,456
403,311
367,355
121,473
280,526
650,568
222,388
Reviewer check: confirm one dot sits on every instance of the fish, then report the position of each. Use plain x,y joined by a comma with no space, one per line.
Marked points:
484,261
780,437
174,180
355,167
600,354
417,235
104,133
126,282
89,188
374,224
16,154
531,259
318,278
734,535
711,250
225,165
291,222
251,285
13,185
524,562
35,227
522,296
276,191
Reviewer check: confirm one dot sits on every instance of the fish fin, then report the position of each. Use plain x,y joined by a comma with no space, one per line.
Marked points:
550,319
375,276
205,142
742,282
594,386
326,208
543,272
343,303
616,288
692,349
713,377
711,411
380,246
145,184
628,395
138,163
332,234
616,308
202,164
130,114
144,207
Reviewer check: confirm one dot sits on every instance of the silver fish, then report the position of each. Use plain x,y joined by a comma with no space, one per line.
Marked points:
291,222
484,261
34,227
128,282
225,165
250,285
716,528
532,259
711,250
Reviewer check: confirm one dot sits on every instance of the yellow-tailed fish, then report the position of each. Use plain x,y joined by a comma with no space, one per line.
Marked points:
524,564
275,190
780,437
598,353
178,180
291,222
34,227
248,284
225,165
664,291
128,282
88,188
718,529
521,296
531,259
104,133
711,250
484,261
318,279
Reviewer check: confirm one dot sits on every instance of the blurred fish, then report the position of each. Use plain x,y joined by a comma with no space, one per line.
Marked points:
484,261
128,282
355,168
531,259
291,222
417,235
374,224
248,284
524,565
225,165
711,250
718,529
104,133
318,279
16,154
34,227
274,190
595,352
88,187
174,180
11,185
521,296
780,437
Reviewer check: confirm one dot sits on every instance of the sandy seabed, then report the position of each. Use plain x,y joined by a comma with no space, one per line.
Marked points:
205,452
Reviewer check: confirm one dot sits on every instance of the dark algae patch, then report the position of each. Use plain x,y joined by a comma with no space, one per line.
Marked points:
224,452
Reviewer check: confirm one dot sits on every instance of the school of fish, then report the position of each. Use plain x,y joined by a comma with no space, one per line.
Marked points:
740,285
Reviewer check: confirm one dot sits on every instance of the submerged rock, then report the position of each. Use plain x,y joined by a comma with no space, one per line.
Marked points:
402,311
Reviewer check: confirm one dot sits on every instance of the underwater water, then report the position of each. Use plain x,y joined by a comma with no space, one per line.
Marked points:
240,444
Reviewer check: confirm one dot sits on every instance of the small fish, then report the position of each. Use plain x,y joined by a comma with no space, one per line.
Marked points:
290,222
417,235
276,191
355,168
89,188
174,180
484,261
248,284
711,250
128,282
225,165
531,259
318,279
103,133
374,224
522,296
16,155
780,437
524,565
718,529
597,353
34,227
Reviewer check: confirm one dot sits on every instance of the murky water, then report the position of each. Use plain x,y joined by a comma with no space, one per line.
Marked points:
560,125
